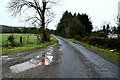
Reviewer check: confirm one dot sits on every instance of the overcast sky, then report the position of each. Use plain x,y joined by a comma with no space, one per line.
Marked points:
100,11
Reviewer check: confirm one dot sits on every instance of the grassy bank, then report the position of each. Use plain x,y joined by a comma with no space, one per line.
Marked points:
108,53
28,46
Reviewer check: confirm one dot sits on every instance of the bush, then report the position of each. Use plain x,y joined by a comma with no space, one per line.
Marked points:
113,44
96,41
105,42
99,34
11,40
103,35
68,36
45,37
78,38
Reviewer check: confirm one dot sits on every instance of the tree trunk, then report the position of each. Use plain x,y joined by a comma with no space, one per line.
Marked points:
43,22
20,39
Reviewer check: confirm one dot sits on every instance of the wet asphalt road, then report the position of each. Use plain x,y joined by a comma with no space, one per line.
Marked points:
71,60
79,62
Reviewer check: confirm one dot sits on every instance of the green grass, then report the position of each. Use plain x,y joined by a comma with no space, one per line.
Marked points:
112,55
32,38
26,46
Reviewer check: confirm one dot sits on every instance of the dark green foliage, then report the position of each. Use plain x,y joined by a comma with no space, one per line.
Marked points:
50,31
104,28
10,29
99,34
114,44
64,25
118,29
11,40
105,42
114,30
108,27
45,37
96,41
31,30
78,38
74,26
25,30
17,30
103,35
87,24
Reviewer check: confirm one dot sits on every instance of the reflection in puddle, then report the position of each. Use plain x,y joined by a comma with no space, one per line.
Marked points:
23,66
48,60
5,58
45,59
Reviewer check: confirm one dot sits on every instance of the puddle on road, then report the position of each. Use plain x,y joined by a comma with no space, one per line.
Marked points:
5,58
23,66
44,59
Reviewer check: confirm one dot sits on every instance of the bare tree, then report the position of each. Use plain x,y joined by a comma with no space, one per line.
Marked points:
42,12
117,20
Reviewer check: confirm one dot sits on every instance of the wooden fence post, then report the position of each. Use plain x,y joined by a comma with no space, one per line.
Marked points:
27,39
21,39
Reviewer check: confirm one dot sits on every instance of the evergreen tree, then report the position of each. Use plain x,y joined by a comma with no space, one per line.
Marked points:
74,25
85,21
104,28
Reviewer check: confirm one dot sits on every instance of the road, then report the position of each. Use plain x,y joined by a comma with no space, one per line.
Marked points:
79,62
71,60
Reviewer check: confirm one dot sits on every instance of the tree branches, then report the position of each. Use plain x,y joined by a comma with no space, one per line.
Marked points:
42,9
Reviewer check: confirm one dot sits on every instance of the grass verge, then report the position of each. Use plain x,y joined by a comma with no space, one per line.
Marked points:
26,47
112,55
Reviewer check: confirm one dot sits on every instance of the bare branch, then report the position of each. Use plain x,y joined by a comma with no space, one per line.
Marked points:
42,11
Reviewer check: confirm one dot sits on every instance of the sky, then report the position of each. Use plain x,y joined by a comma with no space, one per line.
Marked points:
100,12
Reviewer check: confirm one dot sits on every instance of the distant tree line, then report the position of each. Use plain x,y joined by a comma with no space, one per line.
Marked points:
34,30
113,30
7,29
106,29
77,25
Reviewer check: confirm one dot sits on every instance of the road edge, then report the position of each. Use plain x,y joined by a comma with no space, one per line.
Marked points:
100,54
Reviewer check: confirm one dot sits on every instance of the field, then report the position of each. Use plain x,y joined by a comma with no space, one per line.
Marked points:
29,42
32,38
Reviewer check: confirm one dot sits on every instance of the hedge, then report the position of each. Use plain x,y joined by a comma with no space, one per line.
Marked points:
105,42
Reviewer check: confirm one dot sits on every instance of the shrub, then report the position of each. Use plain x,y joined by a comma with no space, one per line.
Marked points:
68,36
77,37
103,35
11,40
113,44
105,42
96,40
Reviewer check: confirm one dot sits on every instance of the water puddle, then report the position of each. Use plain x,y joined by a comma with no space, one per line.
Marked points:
5,58
44,59
23,66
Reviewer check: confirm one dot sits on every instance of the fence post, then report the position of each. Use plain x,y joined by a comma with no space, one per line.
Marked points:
27,39
21,39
